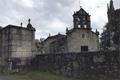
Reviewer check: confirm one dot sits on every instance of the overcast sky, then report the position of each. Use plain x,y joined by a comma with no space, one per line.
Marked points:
52,16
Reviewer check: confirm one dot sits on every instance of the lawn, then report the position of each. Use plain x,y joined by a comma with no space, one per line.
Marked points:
41,76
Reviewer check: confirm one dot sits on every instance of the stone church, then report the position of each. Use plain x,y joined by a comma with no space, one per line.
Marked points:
80,38
16,42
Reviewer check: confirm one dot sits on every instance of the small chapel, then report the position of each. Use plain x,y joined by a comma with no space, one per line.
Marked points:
80,38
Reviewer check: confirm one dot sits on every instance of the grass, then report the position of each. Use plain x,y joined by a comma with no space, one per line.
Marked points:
41,76
49,76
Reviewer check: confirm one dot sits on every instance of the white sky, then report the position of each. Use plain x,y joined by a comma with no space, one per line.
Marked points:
52,16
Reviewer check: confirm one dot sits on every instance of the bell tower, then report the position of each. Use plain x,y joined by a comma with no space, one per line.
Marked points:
81,19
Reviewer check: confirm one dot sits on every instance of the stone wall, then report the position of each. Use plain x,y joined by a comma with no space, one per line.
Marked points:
46,47
94,65
21,42
82,37
4,44
16,42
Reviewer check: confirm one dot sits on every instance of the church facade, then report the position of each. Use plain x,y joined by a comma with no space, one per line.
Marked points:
80,38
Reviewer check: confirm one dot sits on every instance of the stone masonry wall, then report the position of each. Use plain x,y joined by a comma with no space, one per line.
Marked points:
94,65
82,37
21,42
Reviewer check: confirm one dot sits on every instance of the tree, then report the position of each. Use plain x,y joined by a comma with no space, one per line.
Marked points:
39,45
105,38
110,36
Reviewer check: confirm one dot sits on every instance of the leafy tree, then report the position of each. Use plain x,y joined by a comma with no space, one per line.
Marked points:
110,36
39,45
105,38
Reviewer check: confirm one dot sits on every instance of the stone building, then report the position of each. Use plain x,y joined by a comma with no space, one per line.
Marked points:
16,42
80,38
55,44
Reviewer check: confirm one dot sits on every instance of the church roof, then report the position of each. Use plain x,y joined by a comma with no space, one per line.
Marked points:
55,36
13,26
74,29
81,12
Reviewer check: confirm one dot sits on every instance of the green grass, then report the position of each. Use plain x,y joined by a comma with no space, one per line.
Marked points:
41,76
50,76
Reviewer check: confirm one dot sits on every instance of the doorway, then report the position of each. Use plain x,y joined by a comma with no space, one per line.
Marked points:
84,48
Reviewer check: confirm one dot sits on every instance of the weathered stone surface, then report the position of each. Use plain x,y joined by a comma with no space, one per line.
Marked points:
16,42
75,40
80,64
